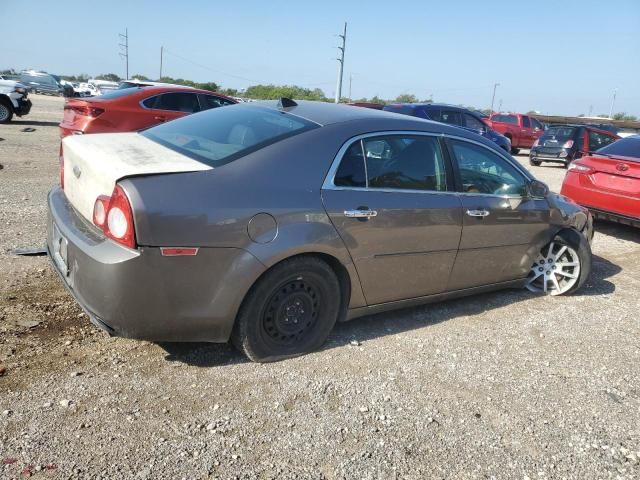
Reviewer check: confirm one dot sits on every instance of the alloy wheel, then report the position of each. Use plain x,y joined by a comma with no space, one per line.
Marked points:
555,271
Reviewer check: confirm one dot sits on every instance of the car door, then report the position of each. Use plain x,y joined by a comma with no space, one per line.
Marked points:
390,198
526,132
167,106
502,225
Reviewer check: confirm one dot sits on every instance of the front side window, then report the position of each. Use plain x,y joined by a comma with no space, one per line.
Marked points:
536,124
472,122
483,171
175,101
525,122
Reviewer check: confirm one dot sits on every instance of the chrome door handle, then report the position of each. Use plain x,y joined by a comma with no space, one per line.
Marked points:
360,213
478,213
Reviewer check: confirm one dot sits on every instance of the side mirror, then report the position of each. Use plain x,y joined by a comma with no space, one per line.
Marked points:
538,189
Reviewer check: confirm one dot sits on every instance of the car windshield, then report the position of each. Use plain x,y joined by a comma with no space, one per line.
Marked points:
625,147
561,134
221,135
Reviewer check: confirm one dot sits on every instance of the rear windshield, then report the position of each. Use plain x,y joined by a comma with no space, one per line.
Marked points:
559,133
505,119
625,147
220,135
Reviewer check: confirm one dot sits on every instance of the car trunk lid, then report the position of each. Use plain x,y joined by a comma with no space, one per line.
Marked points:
616,173
94,163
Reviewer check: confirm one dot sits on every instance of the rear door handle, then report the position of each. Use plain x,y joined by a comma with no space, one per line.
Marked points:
478,213
360,213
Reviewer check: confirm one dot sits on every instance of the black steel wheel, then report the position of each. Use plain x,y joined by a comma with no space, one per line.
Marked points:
289,311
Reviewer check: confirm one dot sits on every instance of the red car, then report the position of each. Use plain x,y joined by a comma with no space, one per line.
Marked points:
132,109
522,130
608,182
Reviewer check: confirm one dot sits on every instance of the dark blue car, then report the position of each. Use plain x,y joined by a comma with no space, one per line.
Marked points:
452,115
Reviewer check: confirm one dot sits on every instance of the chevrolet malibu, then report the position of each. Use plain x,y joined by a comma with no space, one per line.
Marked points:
265,223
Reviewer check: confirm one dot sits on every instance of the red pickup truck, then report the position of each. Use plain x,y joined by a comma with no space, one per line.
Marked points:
522,130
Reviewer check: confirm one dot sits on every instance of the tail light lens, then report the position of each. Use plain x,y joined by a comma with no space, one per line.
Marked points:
115,217
580,168
85,110
568,144
536,143
61,162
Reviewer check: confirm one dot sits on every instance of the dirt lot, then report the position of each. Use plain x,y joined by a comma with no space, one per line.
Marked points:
503,385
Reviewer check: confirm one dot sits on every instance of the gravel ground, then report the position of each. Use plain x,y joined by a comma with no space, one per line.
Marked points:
502,385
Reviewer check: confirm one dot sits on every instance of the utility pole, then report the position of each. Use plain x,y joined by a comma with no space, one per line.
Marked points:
493,98
500,105
613,101
341,60
125,37
350,80
161,48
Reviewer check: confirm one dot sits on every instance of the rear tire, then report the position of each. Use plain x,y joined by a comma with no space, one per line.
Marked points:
535,163
6,111
515,151
290,311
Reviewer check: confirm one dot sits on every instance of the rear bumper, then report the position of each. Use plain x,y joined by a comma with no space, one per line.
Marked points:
141,294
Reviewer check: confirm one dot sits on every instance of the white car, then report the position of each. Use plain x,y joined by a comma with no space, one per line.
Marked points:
13,100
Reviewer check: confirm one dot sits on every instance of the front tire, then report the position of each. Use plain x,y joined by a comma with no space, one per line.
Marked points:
290,311
562,266
535,163
6,111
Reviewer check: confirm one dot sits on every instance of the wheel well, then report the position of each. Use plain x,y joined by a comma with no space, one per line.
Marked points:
508,135
5,99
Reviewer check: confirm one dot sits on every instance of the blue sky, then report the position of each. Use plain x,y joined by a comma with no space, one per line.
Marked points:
564,57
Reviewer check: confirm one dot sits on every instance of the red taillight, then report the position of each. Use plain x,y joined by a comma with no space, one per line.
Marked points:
61,161
568,144
578,167
115,217
85,110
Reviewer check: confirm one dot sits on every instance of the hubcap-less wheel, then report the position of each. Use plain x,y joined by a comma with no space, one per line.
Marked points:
555,271
291,312
4,112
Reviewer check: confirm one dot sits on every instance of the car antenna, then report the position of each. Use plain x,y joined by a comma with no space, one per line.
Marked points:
285,102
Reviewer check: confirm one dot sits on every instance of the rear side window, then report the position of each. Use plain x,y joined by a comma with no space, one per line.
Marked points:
512,119
220,135
625,147
536,124
174,101
598,140
211,101
405,162
525,122
450,117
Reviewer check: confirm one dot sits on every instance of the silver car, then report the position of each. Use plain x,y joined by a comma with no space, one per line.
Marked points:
265,223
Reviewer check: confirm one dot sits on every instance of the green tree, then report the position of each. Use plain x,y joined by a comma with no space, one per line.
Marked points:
112,77
406,98
624,116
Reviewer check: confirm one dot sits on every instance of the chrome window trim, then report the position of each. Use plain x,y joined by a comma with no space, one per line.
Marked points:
329,184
